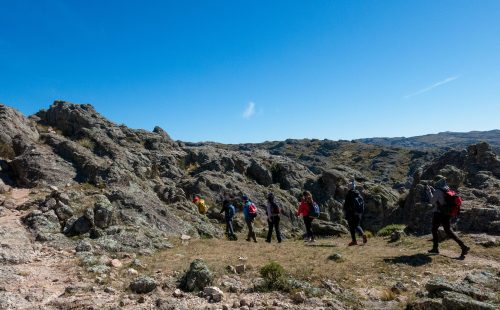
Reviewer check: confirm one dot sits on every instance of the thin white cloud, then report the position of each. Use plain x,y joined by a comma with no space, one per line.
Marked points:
440,83
249,110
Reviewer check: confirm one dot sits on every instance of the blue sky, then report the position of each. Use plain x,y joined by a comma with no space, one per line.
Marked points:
249,71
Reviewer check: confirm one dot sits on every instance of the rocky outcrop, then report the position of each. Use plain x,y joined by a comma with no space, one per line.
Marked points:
476,291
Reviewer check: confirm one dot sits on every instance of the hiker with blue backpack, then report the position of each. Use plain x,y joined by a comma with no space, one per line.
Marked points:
250,213
273,211
309,210
229,212
354,207
446,206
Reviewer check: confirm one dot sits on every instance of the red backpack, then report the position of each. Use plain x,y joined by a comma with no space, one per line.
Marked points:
252,210
453,202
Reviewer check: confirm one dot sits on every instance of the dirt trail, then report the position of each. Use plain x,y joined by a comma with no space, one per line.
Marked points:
30,273
472,259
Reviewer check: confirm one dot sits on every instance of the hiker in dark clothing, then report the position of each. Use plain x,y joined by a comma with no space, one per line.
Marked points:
250,213
353,209
305,210
273,218
229,212
440,217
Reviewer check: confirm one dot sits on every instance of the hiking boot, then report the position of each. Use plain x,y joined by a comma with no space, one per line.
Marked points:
269,241
465,250
247,239
353,243
365,239
433,251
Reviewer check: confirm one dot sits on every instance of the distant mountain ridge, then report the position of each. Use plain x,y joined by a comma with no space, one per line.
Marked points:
445,139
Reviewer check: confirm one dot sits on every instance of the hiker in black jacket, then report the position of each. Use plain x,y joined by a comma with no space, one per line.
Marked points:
353,209
437,197
229,212
273,212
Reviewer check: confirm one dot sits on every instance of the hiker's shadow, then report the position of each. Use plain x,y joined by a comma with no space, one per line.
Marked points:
322,245
414,260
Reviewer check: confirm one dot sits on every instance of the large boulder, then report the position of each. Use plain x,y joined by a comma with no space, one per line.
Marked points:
103,212
13,124
38,165
197,277
325,228
142,285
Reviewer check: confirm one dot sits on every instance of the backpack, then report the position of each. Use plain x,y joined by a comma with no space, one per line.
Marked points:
202,207
314,210
275,209
252,210
358,204
453,202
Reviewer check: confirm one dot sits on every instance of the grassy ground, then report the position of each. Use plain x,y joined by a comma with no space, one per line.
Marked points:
369,270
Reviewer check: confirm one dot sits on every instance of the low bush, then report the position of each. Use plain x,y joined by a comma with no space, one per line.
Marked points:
274,277
86,143
389,229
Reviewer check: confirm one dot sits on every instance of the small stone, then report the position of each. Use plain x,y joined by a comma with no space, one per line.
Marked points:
398,288
54,188
178,293
132,272
141,300
83,246
109,290
50,203
396,236
116,263
225,307
299,297
243,302
240,268
213,293
185,237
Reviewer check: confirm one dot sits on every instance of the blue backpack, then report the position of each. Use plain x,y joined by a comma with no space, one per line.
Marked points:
314,210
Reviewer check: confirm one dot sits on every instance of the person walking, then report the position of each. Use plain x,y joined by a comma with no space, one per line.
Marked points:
354,206
229,212
250,213
273,218
306,210
441,216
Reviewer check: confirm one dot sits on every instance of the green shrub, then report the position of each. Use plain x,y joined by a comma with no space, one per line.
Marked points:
389,229
274,277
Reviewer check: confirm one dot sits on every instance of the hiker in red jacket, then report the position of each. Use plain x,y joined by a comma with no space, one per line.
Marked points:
306,204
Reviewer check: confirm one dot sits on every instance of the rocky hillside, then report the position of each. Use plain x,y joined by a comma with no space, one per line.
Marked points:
130,188
441,140
77,181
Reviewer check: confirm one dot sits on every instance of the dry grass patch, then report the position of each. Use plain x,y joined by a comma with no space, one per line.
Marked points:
376,265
